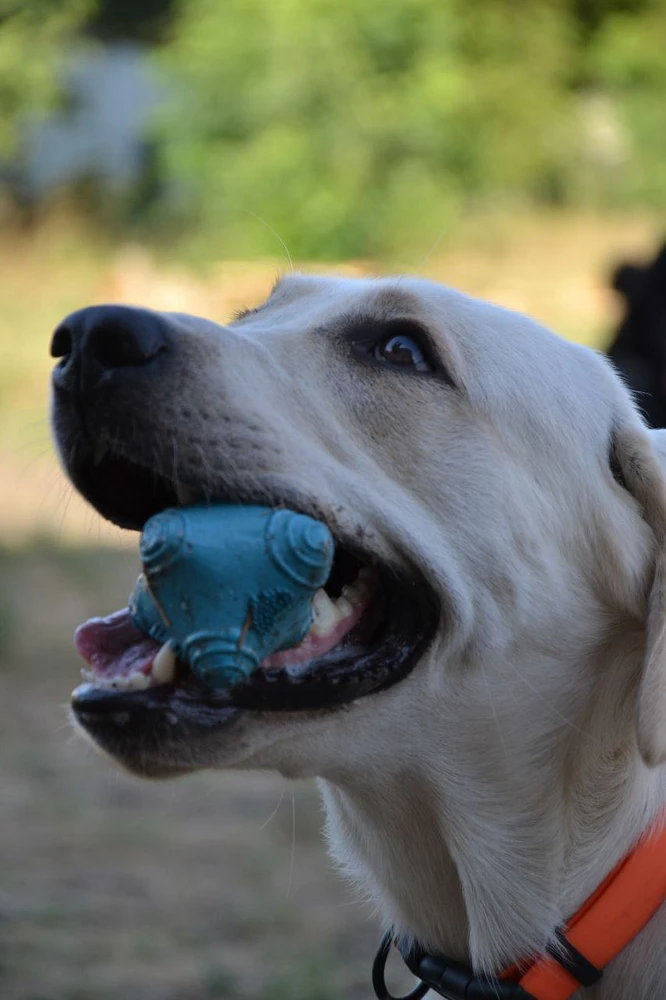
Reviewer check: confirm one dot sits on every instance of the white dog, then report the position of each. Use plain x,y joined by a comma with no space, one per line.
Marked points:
485,705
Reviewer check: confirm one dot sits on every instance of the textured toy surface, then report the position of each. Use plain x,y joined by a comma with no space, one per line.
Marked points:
229,585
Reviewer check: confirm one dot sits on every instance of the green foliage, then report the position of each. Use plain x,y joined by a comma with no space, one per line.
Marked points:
357,128
33,34
366,127
629,61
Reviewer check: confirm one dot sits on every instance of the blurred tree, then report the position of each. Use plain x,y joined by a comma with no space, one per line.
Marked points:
33,35
145,21
591,14
628,62
365,127
357,128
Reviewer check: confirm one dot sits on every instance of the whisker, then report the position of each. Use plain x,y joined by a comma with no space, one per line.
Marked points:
275,234
275,810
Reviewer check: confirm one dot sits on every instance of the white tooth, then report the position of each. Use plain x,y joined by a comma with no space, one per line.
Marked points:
138,681
321,602
163,668
343,608
353,592
324,614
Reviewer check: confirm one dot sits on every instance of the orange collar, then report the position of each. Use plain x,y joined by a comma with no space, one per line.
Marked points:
604,925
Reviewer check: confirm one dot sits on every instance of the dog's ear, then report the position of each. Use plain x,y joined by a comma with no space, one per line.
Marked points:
636,466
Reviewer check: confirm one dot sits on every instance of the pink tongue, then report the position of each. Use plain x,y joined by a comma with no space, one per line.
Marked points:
114,646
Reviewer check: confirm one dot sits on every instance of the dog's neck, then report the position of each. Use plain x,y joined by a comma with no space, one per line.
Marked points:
484,870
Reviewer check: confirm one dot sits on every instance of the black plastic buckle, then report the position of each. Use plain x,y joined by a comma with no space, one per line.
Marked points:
449,979
378,968
457,982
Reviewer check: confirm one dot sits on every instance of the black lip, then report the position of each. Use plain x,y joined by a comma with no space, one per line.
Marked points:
99,704
155,735
122,491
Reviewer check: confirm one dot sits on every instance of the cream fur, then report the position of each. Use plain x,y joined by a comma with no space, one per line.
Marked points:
482,799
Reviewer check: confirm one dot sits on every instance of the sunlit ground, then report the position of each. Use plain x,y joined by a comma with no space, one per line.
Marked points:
216,886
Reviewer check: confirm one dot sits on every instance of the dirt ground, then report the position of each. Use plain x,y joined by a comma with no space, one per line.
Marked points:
212,887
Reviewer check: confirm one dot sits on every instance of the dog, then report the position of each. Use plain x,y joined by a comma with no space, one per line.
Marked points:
639,346
490,740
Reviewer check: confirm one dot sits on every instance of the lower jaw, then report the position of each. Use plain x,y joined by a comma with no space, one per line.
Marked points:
407,619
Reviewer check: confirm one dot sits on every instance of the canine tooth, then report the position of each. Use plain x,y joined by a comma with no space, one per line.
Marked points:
324,614
163,668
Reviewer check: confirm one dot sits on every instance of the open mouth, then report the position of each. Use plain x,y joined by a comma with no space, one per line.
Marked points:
370,625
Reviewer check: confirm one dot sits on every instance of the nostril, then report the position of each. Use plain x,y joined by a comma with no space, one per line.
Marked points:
61,344
116,346
95,342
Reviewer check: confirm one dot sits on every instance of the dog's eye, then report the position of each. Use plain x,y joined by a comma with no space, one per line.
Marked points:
401,351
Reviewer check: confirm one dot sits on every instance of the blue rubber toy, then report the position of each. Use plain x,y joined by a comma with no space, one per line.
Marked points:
229,585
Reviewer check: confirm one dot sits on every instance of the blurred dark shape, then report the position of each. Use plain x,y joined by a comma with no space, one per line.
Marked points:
590,14
99,132
639,348
146,21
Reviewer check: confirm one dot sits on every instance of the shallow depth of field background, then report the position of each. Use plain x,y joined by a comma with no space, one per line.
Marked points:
516,151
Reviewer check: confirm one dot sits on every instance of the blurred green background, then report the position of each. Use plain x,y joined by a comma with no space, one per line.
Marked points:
178,154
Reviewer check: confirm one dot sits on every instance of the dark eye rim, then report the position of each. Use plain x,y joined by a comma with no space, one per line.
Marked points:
366,335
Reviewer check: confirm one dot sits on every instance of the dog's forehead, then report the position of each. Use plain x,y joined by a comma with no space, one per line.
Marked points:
314,300
300,303
307,301
494,351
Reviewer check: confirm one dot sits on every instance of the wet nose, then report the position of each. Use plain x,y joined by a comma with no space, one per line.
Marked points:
95,342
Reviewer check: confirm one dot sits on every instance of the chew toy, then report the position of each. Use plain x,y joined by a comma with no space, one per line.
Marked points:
229,585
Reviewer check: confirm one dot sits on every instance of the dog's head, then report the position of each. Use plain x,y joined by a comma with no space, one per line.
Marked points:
494,482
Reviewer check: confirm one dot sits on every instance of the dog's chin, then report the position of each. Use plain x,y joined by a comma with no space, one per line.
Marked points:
131,751
167,729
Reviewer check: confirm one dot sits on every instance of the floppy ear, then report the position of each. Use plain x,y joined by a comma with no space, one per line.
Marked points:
636,466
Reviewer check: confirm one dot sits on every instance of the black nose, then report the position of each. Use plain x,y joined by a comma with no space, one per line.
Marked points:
94,342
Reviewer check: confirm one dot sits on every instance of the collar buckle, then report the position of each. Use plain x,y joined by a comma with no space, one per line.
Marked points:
449,979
